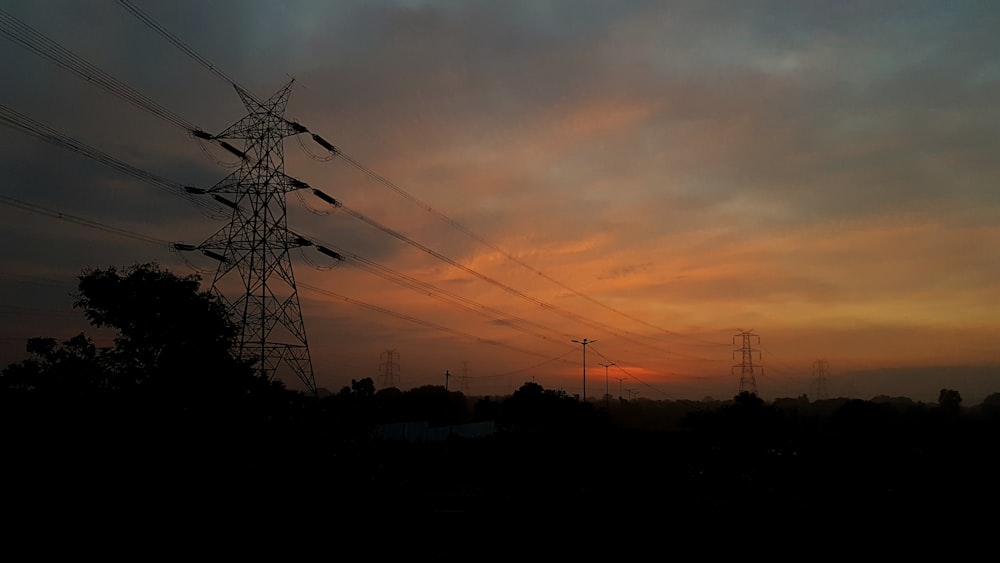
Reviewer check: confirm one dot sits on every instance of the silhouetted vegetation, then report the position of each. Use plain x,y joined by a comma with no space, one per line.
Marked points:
167,416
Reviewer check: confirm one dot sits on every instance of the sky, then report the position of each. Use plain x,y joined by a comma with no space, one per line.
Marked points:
654,178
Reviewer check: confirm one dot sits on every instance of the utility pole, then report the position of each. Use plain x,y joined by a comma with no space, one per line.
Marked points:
748,379
446,377
584,342
820,370
607,389
620,379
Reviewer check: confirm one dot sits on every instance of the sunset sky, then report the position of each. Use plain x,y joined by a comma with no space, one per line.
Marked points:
655,177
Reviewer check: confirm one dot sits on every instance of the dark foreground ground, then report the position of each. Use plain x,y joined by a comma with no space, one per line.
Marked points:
602,491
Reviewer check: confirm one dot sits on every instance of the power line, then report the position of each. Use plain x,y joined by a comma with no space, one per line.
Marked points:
161,242
492,281
430,290
119,89
33,208
66,59
418,321
174,189
479,275
786,374
178,43
118,165
18,121
24,124
186,49
19,32
634,377
475,236
33,279
146,238
616,332
529,368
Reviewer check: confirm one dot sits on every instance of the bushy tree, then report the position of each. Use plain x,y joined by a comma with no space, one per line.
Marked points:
950,401
363,388
164,322
72,367
532,407
171,338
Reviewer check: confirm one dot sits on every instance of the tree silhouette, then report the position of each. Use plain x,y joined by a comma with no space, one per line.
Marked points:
73,367
364,388
950,400
437,405
532,407
168,388
165,324
991,405
173,346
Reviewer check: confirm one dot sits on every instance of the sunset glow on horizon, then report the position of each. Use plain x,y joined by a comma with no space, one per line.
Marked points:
652,177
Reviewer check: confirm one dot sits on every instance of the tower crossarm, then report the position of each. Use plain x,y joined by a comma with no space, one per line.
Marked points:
254,275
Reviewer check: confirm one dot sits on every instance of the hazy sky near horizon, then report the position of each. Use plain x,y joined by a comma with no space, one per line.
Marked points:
822,173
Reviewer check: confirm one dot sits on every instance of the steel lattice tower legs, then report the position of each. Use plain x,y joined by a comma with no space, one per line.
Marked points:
748,378
255,276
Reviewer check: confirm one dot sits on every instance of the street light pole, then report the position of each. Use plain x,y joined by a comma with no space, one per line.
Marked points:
607,389
584,342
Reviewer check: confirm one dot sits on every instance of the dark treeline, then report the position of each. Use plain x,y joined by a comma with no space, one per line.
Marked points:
166,424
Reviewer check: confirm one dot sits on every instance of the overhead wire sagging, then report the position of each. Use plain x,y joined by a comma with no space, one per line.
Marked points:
24,124
19,32
80,67
336,151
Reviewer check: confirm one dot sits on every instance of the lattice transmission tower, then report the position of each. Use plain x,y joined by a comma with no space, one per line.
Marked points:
464,378
748,371
820,368
254,276
389,369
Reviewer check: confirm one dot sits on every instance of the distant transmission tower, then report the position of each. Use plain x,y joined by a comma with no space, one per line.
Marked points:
464,378
389,369
748,378
820,369
254,277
